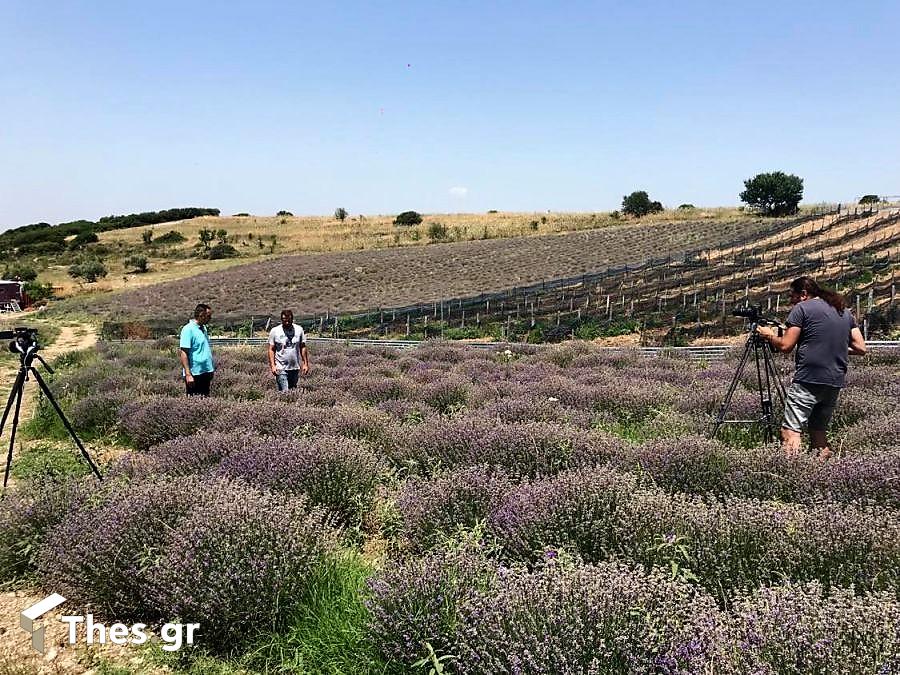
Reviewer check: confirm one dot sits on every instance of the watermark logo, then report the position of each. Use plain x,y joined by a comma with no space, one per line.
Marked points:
173,635
31,614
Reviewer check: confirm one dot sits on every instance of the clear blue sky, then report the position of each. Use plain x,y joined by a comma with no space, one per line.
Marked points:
116,107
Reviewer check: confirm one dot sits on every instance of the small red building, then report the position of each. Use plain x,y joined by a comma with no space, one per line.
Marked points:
12,295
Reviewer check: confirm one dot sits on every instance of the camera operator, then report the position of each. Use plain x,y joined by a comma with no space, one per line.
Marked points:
195,353
824,332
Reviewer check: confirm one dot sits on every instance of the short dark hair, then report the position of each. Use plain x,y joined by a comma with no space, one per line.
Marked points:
287,312
200,310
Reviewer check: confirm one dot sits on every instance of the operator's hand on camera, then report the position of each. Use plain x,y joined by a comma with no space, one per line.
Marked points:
766,332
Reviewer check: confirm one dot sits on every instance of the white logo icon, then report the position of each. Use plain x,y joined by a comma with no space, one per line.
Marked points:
33,613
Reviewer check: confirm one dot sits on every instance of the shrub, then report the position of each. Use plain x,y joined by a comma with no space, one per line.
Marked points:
169,238
221,251
26,517
806,628
437,231
408,218
89,270
239,563
415,601
340,214
869,199
436,508
284,214
587,619
146,422
82,239
18,270
728,546
334,472
111,567
686,207
136,263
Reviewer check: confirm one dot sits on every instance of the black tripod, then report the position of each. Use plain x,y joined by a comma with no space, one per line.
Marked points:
25,345
767,381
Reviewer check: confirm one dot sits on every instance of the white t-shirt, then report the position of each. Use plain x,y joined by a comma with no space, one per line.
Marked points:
287,351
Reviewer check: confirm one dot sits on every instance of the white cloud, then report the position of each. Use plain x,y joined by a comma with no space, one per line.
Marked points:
459,191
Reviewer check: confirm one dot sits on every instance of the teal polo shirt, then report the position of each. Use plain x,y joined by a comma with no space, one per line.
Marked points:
195,340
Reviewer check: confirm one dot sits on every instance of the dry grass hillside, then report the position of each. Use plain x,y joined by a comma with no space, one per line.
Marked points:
252,237
345,281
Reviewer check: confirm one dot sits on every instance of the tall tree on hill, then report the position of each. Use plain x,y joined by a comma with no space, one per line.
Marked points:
340,213
774,194
638,204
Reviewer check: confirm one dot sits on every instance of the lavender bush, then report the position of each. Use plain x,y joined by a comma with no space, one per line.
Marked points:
239,563
587,619
415,601
727,546
433,509
337,473
110,566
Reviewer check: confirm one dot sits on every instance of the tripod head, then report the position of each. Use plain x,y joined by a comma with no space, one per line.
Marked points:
23,341
754,316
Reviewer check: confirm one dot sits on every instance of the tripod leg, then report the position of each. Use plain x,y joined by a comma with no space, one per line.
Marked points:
726,402
17,384
764,389
49,395
17,393
773,381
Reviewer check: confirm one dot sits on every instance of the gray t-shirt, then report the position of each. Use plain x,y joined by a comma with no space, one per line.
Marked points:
287,347
822,349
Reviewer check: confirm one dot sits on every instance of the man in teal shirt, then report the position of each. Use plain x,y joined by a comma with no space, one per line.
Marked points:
195,353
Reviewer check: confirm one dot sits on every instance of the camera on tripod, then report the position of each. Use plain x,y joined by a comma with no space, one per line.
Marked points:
21,339
754,315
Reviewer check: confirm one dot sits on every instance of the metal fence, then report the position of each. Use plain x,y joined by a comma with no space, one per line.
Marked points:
706,352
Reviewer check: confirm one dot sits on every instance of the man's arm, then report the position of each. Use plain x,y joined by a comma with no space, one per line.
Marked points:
183,357
304,357
271,353
786,342
857,343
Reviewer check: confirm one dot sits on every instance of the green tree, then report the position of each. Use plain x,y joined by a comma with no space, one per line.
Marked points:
638,204
408,218
869,199
22,272
206,237
340,213
147,236
222,237
284,213
773,194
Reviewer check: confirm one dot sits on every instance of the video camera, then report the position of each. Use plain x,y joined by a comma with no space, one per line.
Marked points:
22,340
753,314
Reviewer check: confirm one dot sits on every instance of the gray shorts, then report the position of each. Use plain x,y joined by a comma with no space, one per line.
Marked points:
810,404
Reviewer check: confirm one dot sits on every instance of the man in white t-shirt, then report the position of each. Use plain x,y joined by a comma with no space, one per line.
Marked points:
288,357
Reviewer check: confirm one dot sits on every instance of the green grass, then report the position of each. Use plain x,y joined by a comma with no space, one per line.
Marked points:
44,461
328,636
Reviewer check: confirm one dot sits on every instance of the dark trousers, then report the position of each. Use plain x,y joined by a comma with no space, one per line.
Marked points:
200,386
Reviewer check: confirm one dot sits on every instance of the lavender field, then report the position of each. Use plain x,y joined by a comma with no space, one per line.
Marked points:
547,510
